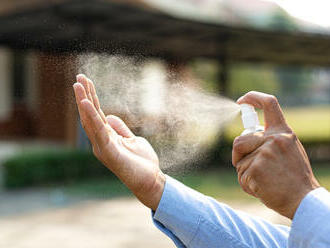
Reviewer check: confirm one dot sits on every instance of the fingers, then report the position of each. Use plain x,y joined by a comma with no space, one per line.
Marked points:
119,126
274,117
96,130
95,125
249,185
91,93
244,174
95,99
94,95
241,169
244,145
79,92
80,95
84,81
244,182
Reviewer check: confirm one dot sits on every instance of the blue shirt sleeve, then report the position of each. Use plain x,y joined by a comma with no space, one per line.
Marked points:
192,219
311,222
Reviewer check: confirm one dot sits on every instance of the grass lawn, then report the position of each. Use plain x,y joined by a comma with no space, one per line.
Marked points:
309,123
219,183
222,184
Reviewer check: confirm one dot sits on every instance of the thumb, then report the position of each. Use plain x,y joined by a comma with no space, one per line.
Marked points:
274,118
119,126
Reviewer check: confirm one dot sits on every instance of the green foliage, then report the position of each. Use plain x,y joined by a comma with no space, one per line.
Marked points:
244,78
207,72
48,167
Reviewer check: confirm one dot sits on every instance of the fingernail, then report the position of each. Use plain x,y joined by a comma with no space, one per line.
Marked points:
80,76
85,102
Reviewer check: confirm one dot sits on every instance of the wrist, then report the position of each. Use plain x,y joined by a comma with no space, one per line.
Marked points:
158,190
150,194
293,206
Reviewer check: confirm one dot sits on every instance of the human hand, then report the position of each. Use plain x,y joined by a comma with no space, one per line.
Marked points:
130,158
273,165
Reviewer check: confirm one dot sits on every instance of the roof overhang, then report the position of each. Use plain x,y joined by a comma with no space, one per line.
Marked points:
125,27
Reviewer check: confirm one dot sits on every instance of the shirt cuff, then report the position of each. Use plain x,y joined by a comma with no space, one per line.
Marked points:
175,216
312,213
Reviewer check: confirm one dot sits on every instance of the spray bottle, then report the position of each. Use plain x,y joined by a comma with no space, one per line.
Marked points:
250,119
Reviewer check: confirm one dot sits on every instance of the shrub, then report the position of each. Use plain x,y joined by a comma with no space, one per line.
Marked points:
49,167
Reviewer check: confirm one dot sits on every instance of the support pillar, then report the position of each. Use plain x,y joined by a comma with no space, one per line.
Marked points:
57,111
223,76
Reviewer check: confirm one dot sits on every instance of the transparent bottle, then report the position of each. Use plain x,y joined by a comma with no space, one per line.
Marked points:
250,119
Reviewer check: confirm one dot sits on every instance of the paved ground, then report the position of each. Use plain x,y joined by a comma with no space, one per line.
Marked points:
49,219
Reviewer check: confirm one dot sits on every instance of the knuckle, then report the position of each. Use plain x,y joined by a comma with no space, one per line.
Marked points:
238,147
288,140
251,93
237,140
246,179
278,139
246,189
255,188
271,101
242,143
266,152
293,137
242,180
238,168
270,138
283,140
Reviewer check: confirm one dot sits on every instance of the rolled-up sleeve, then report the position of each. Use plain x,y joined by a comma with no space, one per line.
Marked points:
192,219
311,223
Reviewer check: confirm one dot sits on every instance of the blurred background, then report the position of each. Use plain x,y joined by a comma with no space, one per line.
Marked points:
53,192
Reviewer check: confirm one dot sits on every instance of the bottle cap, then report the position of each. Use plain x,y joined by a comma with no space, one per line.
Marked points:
249,116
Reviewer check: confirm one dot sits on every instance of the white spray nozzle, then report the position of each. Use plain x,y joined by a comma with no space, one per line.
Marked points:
249,116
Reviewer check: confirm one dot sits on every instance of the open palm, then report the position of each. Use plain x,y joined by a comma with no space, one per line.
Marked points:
129,157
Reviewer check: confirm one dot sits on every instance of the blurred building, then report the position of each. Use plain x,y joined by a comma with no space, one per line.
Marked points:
35,99
40,41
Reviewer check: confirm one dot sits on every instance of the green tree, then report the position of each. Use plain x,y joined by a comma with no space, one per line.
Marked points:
244,78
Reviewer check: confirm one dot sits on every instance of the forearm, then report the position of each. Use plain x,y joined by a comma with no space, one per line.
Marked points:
195,220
